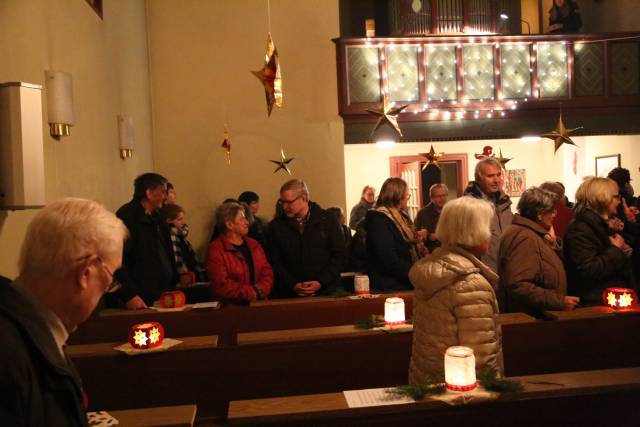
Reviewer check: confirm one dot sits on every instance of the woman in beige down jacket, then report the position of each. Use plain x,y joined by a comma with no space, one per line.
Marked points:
454,302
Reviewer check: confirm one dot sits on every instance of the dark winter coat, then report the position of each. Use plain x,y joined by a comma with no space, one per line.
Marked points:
318,253
38,387
388,254
532,276
358,212
427,219
592,262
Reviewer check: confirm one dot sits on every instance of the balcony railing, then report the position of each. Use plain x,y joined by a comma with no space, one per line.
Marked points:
478,77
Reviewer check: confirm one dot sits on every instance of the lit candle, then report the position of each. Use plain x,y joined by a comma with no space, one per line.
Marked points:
394,311
460,368
619,297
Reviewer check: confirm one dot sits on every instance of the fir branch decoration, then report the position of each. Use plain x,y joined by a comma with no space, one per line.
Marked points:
375,321
488,378
432,387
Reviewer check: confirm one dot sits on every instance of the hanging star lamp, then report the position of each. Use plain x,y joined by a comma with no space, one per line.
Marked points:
271,77
432,158
387,114
283,163
560,135
503,160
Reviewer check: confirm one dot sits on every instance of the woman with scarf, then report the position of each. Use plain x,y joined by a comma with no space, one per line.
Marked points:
392,240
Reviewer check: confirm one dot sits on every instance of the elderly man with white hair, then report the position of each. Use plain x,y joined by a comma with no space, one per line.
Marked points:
69,254
454,302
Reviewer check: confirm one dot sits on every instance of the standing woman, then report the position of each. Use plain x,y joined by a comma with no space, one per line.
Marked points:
532,276
564,17
454,302
596,257
359,211
392,240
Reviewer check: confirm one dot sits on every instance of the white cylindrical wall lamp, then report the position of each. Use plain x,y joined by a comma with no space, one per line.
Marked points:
126,137
59,89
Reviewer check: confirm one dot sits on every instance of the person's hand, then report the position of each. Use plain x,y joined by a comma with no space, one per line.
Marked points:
629,212
433,237
307,289
136,303
617,241
554,27
422,234
570,302
424,251
550,237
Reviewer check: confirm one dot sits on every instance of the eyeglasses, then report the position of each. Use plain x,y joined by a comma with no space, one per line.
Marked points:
114,285
288,202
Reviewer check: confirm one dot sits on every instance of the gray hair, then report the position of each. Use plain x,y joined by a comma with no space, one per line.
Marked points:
535,201
555,187
67,230
434,187
227,212
479,172
465,221
298,186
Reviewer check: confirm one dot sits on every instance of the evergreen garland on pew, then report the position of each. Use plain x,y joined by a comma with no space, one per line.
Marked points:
488,378
374,321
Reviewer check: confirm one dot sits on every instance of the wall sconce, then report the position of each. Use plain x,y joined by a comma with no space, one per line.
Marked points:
126,137
505,17
619,297
143,336
460,369
59,103
21,150
394,311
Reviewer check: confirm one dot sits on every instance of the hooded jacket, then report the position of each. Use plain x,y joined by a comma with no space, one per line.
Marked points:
454,304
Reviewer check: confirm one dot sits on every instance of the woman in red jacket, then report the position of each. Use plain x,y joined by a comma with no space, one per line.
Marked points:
237,266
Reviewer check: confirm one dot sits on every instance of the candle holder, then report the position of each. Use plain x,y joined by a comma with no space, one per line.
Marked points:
460,369
394,311
618,298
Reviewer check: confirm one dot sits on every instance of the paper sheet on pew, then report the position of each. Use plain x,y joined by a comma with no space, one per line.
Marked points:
130,351
373,397
101,419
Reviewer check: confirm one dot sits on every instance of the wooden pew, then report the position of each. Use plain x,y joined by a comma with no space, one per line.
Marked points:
227,322
604,397
169,416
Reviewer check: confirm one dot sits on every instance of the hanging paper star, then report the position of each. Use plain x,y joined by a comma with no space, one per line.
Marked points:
487,151
283,162
560,134
432,158
270,77
140,338
226,145
503,160
387,114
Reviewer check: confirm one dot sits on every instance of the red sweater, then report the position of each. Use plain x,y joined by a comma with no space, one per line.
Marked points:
564,216
229,271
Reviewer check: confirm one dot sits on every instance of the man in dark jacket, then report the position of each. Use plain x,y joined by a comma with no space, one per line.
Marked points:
306,246
488,186
67,260
427,218
147,266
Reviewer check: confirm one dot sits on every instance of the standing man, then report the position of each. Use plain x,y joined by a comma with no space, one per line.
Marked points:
67,260
488,186
427,218
147,267
306,246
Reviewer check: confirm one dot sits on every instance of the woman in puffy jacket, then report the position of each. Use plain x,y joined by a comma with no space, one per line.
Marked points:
454,302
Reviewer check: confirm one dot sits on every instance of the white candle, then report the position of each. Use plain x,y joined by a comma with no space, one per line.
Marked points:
460,368
394,311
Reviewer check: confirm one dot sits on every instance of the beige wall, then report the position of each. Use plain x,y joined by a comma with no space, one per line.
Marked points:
108,62
201,54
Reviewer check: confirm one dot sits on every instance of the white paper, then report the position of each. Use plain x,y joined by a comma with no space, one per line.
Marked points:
203,305
373,397
167,343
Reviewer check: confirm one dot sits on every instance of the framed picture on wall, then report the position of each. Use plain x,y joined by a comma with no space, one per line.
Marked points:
604,164
515,182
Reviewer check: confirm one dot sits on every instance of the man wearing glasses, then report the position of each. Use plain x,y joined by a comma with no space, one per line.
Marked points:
306,246
66,265
147,266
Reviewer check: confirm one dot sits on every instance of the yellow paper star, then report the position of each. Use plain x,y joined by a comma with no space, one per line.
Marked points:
560,134
140,338
270,77
503,160
625,300
387,114
283,162
611,299
154,335
226,145
432,158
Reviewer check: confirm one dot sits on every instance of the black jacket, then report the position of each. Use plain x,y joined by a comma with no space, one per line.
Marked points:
147,262
37,386
318,253
591,261
388,254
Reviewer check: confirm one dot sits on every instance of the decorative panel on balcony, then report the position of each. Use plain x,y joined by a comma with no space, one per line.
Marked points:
624,73
441,73
478,71
402,69
516,71
364,74
552,70
589,69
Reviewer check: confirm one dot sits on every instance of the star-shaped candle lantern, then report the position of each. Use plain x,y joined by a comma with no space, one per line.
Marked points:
560,135
226,145
387,114
144,336
432,158
618,298
172,299
271,77
283,163
503,160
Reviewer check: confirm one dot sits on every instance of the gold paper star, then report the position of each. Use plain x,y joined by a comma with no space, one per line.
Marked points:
560,134
140,338
432,158
625,300
387,114
503,160
154,335
270,77
226,145
611,299
283,162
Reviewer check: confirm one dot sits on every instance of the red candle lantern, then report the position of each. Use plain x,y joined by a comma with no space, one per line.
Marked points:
172,299
187,279
619,297
143,336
